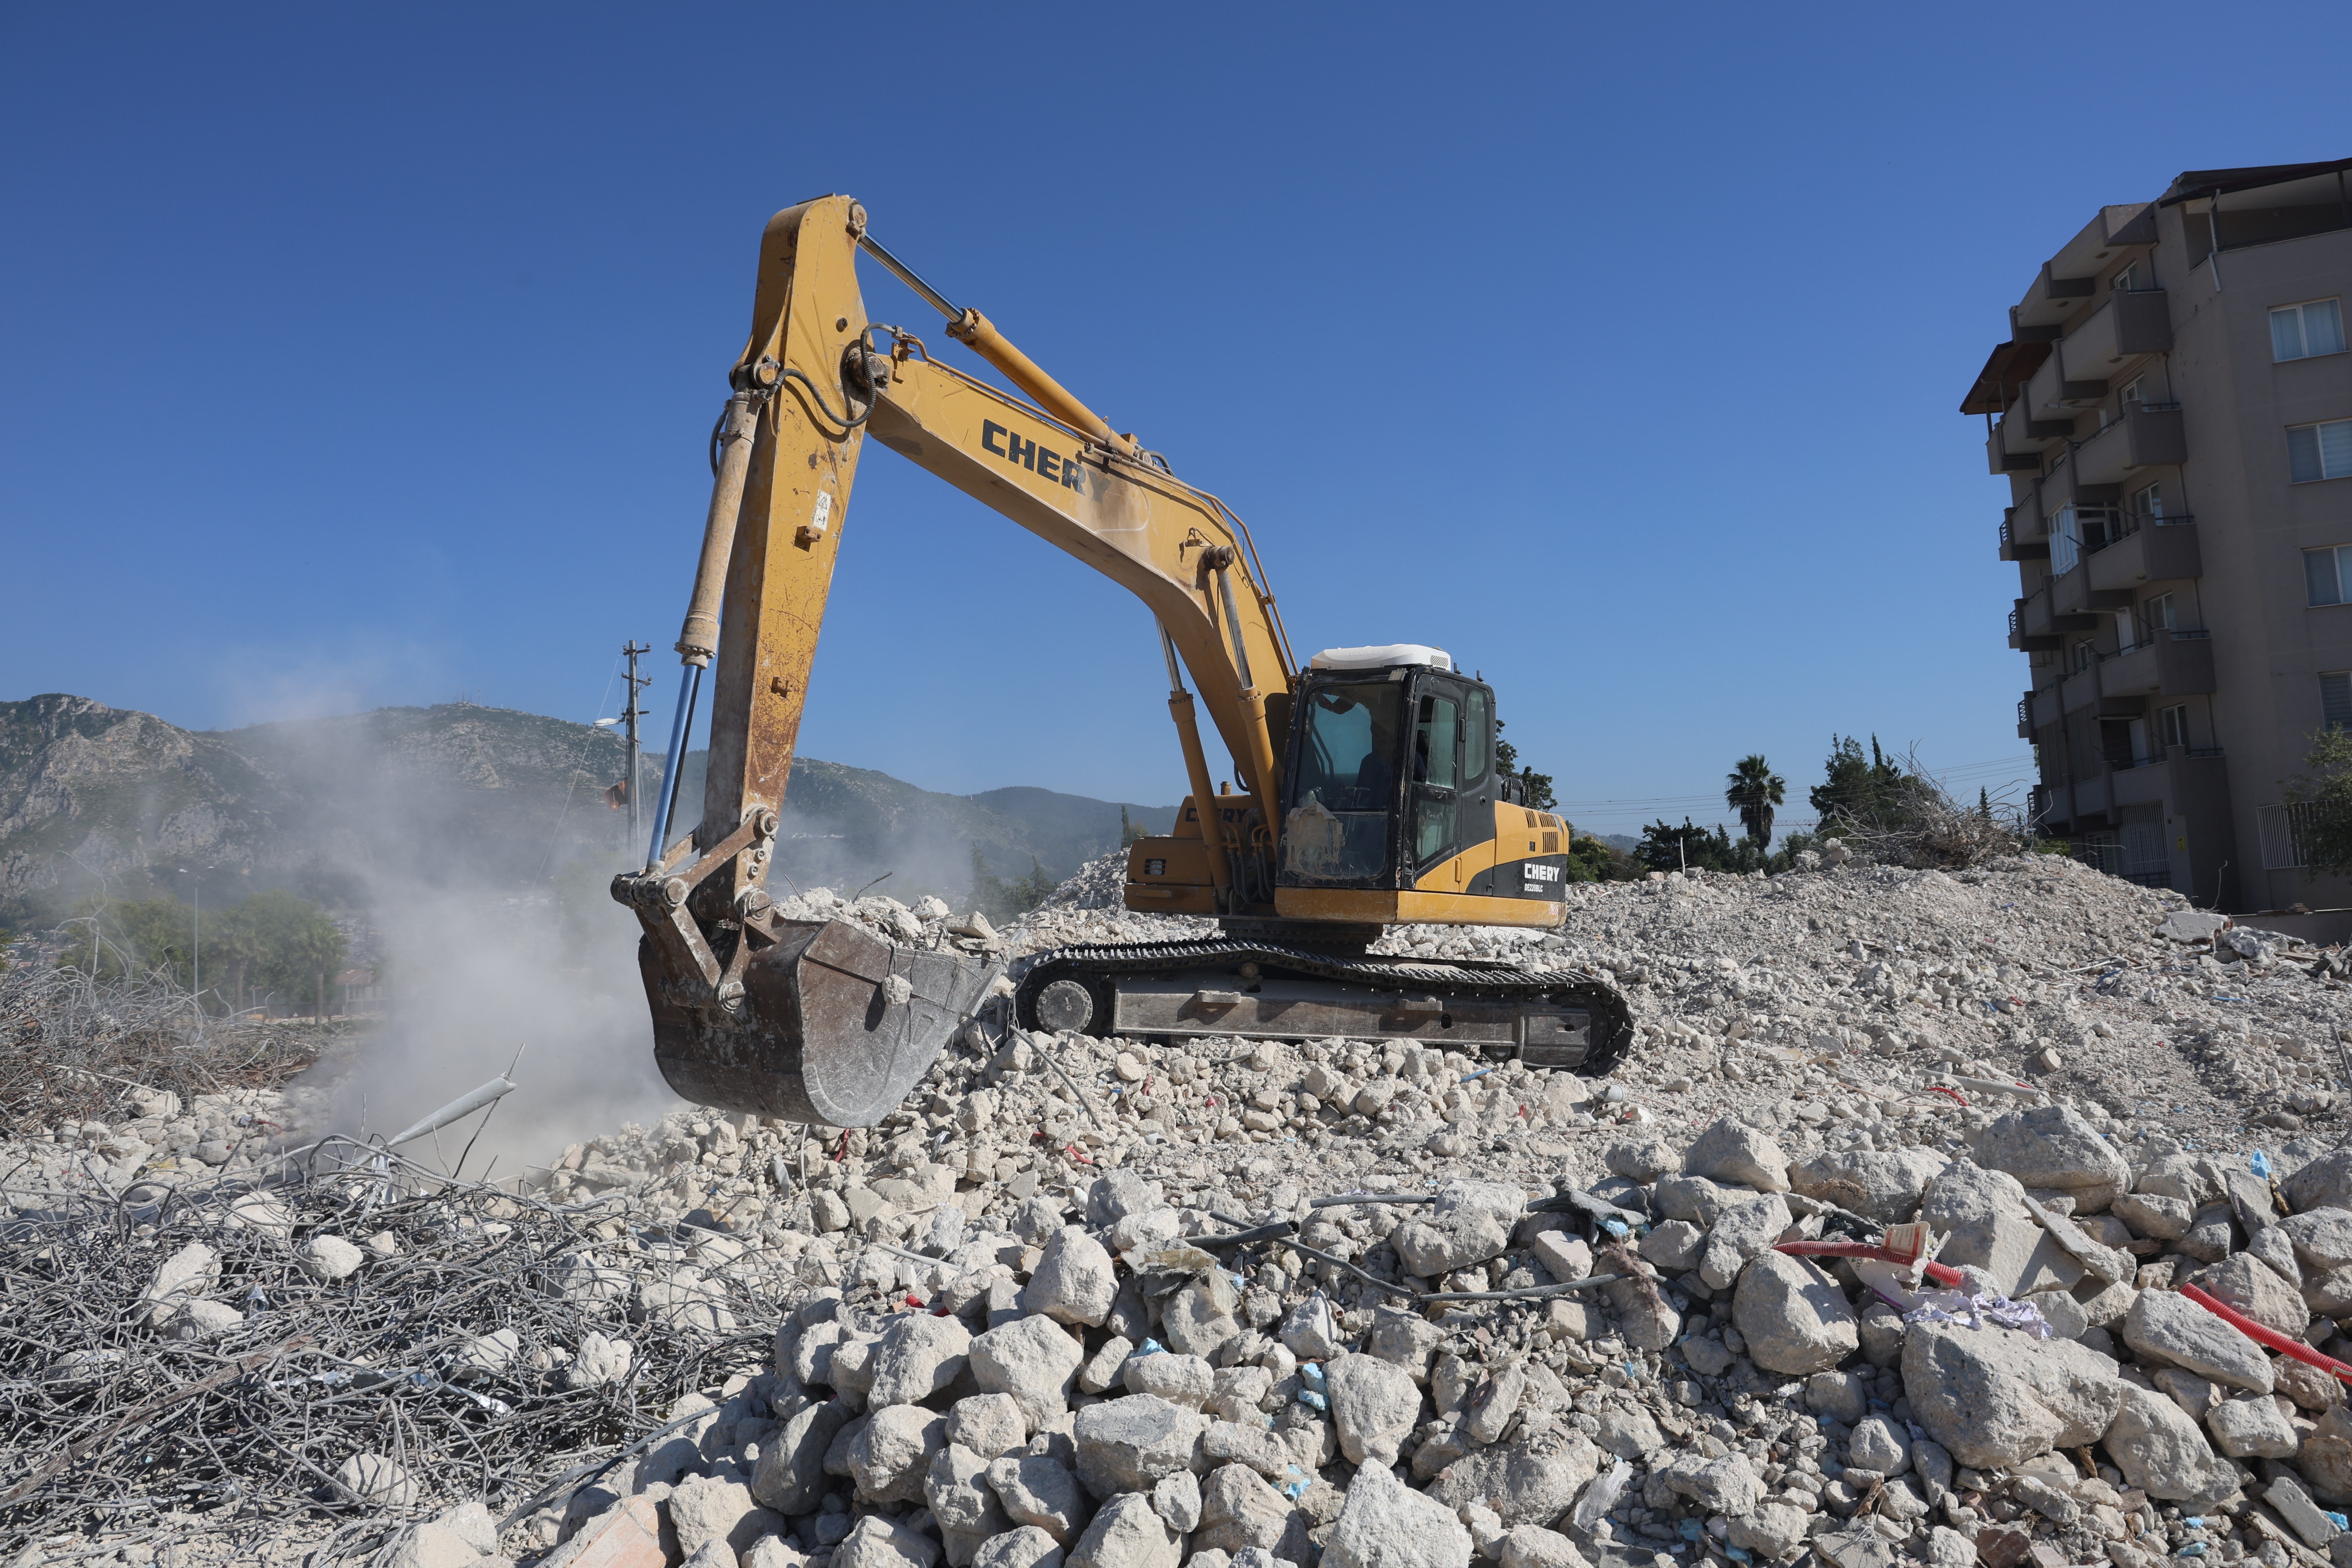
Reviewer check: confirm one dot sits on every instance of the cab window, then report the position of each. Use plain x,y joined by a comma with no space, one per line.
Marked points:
1350,736
1477,740
1433,739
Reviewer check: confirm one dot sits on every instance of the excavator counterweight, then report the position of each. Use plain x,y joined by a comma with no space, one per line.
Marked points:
1371,792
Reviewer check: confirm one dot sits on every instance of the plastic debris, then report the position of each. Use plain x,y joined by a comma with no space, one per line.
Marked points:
1603,1495
1977,1310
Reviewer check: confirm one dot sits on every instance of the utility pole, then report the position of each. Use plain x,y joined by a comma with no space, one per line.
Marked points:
630,713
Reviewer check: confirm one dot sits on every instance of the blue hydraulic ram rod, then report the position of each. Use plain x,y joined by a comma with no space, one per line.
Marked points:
689,689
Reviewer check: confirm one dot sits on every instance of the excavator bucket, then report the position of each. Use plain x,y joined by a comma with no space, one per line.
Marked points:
833,1027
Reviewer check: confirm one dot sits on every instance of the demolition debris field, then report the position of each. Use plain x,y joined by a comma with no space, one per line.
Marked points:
1118,1303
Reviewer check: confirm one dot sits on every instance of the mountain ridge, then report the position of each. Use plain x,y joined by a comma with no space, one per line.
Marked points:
98,799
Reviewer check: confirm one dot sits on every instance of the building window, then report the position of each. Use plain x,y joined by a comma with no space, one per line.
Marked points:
2082,653
2335,698
2319,452
2065,540
2302,332
2158,615
2172,724
2127,280
2327,574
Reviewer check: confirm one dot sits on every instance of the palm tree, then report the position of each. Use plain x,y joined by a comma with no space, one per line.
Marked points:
1754,789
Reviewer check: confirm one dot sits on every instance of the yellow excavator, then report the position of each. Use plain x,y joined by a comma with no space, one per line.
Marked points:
1374,795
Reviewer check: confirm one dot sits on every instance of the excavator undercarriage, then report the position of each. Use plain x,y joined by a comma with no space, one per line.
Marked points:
1260,991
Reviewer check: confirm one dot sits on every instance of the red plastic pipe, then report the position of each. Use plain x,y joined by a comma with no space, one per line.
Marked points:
2268,1336
1942,1273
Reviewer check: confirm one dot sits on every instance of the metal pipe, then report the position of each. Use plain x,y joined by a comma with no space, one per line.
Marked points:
699,639
1196,773
1167,648
689,687
465,1105
906,274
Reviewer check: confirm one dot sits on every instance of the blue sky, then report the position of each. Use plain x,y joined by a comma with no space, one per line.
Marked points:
360,356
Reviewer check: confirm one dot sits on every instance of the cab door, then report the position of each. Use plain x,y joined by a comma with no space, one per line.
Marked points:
1433,828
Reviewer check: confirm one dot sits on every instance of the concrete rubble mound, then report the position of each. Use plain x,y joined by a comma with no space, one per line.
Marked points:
1138,1304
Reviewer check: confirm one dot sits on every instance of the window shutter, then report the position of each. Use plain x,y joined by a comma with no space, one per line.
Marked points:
2335,698
2322,327
2302,456
2286,333
2319,576
2335,448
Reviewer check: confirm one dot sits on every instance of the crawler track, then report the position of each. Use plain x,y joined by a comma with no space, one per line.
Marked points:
1366,995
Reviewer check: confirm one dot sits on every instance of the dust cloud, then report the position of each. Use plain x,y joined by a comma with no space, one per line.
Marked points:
481,975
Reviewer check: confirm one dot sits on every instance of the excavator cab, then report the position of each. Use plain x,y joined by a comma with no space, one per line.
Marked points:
1393,811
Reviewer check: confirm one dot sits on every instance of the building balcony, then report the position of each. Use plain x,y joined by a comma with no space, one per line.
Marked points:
2071,277
2181,779
2154,550
2146,434
2083,690
2053,297
2094,798
2017,443
2055,394
2171,664
2046,706
2025,717
2128,326
2073,602
2013,548
2030,624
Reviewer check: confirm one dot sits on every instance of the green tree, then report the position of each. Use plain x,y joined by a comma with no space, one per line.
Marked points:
1858,793
131,939
1665,847
988,892
1538,785
297,948
997,898
1753,789
231,946
1591,860
1129,832
2322,827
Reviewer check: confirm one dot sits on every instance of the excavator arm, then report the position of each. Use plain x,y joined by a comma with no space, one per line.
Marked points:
803,1021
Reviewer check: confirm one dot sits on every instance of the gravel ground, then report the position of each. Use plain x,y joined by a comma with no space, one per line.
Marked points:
1843,1013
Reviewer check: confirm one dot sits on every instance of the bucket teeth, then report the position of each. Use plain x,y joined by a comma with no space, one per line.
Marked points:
835,1026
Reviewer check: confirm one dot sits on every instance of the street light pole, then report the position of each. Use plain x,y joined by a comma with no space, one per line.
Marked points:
197,965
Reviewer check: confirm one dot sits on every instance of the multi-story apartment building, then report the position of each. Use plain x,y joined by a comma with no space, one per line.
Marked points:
2173,413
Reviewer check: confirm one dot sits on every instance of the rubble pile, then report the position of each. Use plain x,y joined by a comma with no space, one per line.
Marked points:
1129,1304
1704,1393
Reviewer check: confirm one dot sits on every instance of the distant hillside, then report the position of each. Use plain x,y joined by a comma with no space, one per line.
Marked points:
92,797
